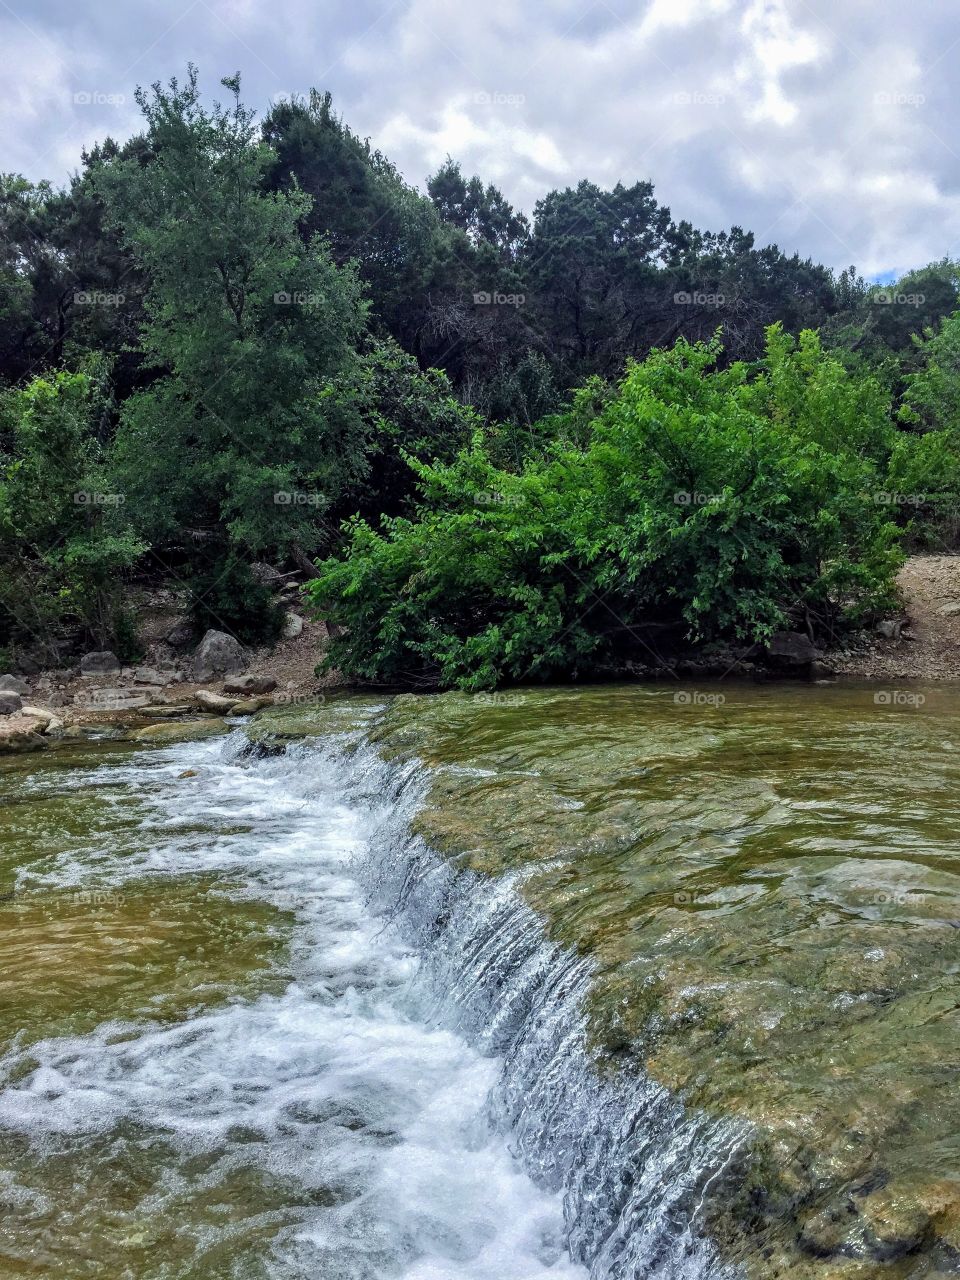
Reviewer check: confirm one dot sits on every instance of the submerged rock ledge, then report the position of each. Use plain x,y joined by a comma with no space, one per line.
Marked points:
770,906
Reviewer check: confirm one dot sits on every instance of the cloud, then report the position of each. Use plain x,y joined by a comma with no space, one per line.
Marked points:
827,127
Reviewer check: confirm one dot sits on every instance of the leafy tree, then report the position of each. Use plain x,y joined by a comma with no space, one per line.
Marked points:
65,542
716,500
238,446
482,212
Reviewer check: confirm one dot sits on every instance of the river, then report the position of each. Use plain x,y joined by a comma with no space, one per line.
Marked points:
530,986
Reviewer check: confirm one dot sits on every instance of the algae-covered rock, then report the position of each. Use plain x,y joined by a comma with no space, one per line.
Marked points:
178,731
771,904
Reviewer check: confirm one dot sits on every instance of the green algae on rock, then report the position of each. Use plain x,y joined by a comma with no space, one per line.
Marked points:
178,730
767,880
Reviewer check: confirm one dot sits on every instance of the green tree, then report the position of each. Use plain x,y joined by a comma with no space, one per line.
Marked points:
719,502
238,446
65,540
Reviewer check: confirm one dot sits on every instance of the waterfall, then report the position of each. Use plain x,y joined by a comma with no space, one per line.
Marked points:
632,1165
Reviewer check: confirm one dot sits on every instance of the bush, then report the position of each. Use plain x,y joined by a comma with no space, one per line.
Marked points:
65,543
226,596
725,502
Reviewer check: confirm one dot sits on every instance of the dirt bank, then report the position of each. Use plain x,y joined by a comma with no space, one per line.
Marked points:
925,644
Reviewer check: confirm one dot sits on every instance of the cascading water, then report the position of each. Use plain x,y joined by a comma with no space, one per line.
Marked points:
413,1098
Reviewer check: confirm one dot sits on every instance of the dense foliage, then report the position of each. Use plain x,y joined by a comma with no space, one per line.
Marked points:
258,342
723,501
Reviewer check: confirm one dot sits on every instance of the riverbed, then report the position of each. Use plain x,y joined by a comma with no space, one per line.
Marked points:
615,982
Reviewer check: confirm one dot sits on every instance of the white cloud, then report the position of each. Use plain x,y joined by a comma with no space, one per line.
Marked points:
827,126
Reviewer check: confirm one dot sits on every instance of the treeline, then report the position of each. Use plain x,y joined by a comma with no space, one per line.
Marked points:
224,338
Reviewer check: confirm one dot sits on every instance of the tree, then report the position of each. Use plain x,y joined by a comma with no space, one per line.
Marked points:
719,502
65,540
238,446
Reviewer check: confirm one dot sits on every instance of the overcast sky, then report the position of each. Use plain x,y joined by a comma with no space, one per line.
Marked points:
827,126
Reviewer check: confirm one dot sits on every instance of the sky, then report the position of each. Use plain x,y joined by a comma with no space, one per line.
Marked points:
828,127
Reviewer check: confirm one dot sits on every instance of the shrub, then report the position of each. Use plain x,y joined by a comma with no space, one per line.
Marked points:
721,501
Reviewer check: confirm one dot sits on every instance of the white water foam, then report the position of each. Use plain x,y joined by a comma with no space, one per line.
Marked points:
427,1066
332,1085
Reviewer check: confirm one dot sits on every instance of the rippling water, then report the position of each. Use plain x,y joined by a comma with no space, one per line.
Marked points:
553,984
220,1060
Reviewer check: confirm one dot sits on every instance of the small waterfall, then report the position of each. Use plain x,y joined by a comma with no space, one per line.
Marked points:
632,1165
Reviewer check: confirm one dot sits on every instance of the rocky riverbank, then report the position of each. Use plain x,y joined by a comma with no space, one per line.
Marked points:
171,694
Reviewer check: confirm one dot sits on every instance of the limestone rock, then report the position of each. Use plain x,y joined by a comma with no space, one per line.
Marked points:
292,626
266,575
249,685
18,733
101,663
211,701
10,702
249,706
791,649
218,654
13,684
49,723
178,730
179,636
149,675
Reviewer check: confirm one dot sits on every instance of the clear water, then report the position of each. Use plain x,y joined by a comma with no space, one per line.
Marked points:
220,1060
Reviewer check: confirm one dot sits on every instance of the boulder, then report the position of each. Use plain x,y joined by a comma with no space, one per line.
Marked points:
10,702
48,722
13,684
292,626
101,663
211,701
266,575
251,685
218,654
178,730
149,675
179,636
890,629
791,649
249,706
100,700
18,733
